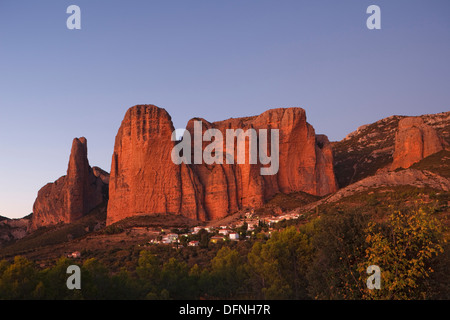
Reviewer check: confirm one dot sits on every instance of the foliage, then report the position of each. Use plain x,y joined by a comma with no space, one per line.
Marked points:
113,229
326,258
403,248
226,276
18,280
279,266
338,241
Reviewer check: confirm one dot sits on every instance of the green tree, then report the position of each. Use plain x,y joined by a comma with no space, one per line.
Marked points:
242,230
53,282
4,264
203,238
279,266
227,274
338,241
149,273
18,280
95,281
124,286
403,248
176,280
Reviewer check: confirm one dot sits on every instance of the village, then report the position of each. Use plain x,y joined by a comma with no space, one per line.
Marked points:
243,229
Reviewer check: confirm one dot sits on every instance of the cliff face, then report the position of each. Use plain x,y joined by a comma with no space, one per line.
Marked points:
414,141
143,177
71,196
144,180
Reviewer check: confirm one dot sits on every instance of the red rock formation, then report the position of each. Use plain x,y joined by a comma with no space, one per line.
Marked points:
414,141
71,196
144,180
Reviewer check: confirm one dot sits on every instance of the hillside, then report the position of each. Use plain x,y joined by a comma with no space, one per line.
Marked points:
13,229
370,148
56,234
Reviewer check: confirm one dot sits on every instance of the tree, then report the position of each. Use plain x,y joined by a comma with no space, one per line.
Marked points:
18,280
227,275
242,230
403,248
176,280
338,241
124,286
53,283
95,281
203,238
279,266
149,272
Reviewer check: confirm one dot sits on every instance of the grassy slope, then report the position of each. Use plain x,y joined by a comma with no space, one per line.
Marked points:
57,234
438,163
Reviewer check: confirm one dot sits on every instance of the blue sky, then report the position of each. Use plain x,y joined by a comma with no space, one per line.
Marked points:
209,58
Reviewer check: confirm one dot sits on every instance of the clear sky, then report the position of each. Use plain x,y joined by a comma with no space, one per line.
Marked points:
211,58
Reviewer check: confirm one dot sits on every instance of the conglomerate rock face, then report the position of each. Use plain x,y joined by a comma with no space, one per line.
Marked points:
145,180
414,141
73,195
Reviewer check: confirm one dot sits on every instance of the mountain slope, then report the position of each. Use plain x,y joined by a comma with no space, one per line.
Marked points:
371,147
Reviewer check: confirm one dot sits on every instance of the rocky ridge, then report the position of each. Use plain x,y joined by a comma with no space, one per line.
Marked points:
13,229
371,147
73,195
144,180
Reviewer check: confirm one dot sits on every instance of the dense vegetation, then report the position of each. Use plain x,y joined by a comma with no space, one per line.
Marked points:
326,258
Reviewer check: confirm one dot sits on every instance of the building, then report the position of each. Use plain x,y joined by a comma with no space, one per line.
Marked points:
251,226
173,237
197,229
193,243
233,236
274,220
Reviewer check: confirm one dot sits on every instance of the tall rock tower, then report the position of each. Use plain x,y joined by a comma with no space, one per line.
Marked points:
144,180
73,195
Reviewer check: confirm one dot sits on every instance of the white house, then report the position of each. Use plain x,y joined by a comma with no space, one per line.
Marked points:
166,240
173,237
233,236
